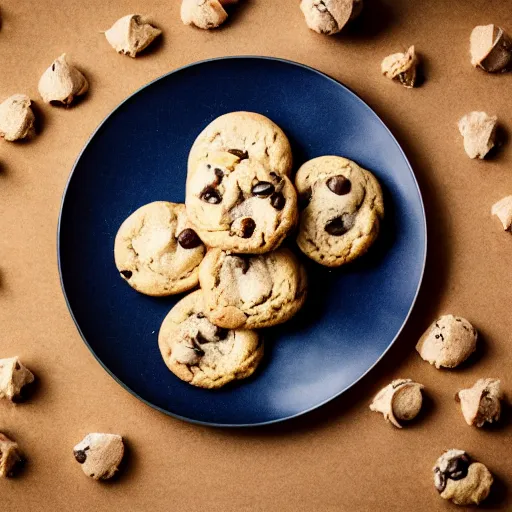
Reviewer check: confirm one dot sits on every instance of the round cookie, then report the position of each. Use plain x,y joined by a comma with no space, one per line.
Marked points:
247,134
156,251
251,292
239,205
202,354
343,208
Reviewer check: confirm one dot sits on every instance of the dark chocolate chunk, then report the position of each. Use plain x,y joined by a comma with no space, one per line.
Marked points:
127,273
243,155
80,456
188,239
247,227
211,195
221,333
340,225
278,201
339,185
263,189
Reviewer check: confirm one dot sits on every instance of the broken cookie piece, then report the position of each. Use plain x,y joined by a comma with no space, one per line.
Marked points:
479,132
399,401
482,402
448,342
503,210
329,16
459,479
401,67
490,48
16,118
10,456
131,34
205,14
61,83
13,378
100,455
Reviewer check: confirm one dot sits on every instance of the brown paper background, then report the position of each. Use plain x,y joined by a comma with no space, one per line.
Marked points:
341,457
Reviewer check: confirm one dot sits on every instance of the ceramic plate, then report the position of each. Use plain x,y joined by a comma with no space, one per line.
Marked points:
139,154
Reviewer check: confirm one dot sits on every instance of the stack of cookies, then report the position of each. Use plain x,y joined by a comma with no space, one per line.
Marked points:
240,207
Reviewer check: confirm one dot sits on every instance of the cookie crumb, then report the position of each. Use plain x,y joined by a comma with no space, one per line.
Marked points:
100,455
330,16
401,67
14,376
448,342
10,456
62,83
481,403
16,118
458,479
205,14
401,400
490,48
131,34
479,132
503,210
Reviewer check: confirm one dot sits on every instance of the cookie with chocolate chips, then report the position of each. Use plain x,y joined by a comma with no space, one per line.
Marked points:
341,210
239,205
202,354
247,135
156,250
251,292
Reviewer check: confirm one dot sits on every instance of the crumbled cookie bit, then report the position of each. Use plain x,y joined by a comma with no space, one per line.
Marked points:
131,34
329,16
490,48
479,132
100,455
401,67
482,402
399,401
448,342
10,456
205,14
13,378
16,118
503,210
459,479
62,83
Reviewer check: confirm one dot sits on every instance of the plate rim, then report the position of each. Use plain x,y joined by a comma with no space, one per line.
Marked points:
337,394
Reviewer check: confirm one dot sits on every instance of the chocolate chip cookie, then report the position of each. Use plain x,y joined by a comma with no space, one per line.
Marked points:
237,204
203,354
248,135
342,208
251,292
157,252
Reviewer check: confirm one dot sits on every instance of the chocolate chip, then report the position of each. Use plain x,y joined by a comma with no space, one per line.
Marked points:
127,273
304,198
221,333
243,155
210,195
200,315
263,189
200,339
247,227
275,176
340,225
188,239
457,468
219,173
439,480
80,456
53,67
278,201
199,351
339,185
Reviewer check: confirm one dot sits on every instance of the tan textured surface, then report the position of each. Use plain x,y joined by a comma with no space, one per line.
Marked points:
342,457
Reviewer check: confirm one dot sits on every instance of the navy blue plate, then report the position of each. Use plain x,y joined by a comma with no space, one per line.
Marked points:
139,154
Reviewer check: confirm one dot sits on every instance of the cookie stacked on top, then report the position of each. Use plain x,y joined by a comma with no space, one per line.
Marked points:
240,207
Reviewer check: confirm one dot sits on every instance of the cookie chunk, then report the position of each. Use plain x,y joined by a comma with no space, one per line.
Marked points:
329,16
460,480
16,118
491,48
342,208
239,205
202,354
399,401
205,14
251,292
247,135
503,210
131,34
449,341
157,252
100,455
13,378
482,402
479,132
10,456
401,67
